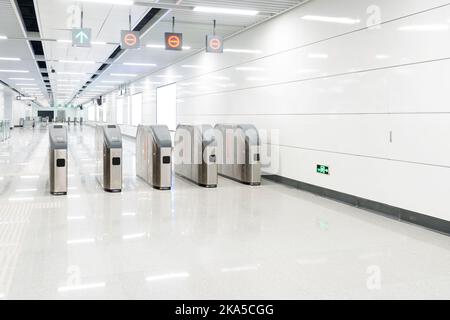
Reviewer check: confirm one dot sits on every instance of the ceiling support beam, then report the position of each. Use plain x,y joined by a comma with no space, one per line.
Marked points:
180,7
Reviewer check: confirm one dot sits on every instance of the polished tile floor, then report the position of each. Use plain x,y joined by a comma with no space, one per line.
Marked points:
233,242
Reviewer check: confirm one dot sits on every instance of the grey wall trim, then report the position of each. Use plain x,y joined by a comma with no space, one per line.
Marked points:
429,222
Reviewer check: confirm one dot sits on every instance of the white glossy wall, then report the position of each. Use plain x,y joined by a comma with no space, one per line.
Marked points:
338,93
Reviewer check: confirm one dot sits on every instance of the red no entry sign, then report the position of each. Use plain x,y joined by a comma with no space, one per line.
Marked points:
174,41
214,44
130,40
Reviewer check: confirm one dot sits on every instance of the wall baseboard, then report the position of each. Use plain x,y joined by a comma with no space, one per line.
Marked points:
429,222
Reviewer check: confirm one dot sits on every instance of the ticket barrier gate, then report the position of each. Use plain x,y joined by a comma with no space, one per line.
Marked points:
109,157
154,156
195,155
58,159
239,153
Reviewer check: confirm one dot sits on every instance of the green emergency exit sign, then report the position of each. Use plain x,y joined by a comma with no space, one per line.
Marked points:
322,169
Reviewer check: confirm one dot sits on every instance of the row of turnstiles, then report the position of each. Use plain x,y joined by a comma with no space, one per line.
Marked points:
75,121
199,153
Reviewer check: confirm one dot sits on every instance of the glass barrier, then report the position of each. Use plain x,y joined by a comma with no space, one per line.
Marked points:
5,132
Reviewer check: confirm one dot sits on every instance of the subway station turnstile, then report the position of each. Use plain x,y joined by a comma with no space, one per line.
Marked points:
195,156
109,157
154,156
58,159
239,153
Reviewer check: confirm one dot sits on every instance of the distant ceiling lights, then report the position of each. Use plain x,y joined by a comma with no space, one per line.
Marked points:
3,37
77,61
341,20
117,2
139,64
26,84
111,81
226,11
14,71
131,75
9,59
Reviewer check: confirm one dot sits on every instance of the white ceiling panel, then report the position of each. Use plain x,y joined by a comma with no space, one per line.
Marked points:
56,17
16,47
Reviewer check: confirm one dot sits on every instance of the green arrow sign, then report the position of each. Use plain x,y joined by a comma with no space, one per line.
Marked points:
81,37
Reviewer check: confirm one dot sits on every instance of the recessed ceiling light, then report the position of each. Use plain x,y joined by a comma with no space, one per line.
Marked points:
99,43
226,11
15,71
192,66
9,59
77,61
242,51
139,64
64,41
118,2
249,69
341,20
155,46
3,37
161,46
22,79
123,75
105,87
169,76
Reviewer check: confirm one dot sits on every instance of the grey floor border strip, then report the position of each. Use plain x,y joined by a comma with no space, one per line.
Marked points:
428,222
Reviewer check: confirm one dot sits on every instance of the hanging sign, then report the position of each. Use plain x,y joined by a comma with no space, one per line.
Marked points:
214,44
174,41
129,39
81,37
